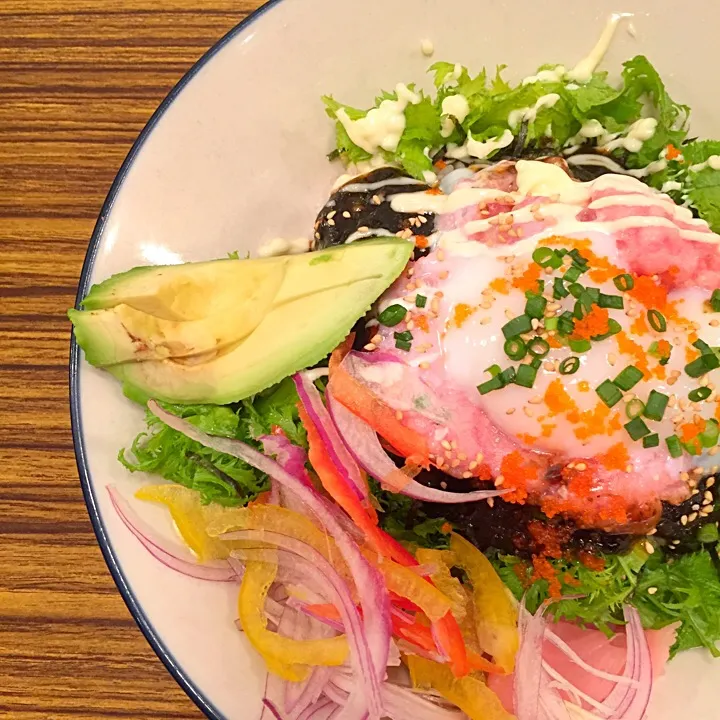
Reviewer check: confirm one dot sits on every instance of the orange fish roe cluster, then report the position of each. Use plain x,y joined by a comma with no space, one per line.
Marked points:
483,472
543,570
500,285
579,479
516,473
615,458
550,540
593,562
461,313
601,269
640,326
591,422
648,292
630,347
422,323
557,398
691,353
595,512
421,241
529,279
689,433
583,386
527,438
596,322
547,429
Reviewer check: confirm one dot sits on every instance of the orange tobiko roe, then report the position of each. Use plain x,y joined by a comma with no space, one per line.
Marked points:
500,285
596,322
557,398
461,313
593,562
615,458
545,571
516,472
529,279
649,292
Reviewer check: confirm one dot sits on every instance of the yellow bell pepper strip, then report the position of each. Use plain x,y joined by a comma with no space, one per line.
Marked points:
443,580
401,580
190,516
493,610
469,693
284,656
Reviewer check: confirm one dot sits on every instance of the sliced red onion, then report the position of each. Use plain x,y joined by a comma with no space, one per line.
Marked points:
168,553
566,685
630,703
560,644
363,443
528,671
335,447
373,640
270,710
291,457
321,710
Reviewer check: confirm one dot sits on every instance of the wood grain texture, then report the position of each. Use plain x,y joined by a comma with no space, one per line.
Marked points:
78,80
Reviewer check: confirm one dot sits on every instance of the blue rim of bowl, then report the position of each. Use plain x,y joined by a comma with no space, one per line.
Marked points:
113,564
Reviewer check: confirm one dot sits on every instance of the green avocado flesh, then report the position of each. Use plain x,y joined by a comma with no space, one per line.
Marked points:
219,331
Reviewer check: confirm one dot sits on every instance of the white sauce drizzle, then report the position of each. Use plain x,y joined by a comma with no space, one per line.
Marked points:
671,185
640,131
480,149
366,187
546,76
383,126
529,114
712,162
583,71
281,246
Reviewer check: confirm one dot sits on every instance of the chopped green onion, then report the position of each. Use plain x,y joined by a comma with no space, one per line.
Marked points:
515,348
566,323
709,436
577,257
704,364
628,378
406,335
572,274
392,315
517,326
634,408
702,346
579,346
609,392
507,375
715,300
536,362
614,328
499,380
535,306
488,386
699,394
569,366
656,405
493,370
651,441
551,323
624,282
559,289
708,534
674,446
655,352
538,347
420,301
525,376
637,428
614,302
593,294
576,289
403,344
657,320
547,257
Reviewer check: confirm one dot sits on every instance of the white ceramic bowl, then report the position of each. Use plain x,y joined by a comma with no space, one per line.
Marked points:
236,155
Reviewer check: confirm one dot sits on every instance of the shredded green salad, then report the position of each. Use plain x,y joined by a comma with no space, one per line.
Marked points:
582,117
578,117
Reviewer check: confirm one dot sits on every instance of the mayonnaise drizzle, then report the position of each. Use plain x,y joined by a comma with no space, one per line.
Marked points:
583,71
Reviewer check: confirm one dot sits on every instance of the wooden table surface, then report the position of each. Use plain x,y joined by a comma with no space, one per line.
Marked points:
78,80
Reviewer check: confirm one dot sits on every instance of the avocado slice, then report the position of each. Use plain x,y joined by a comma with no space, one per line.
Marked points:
314,306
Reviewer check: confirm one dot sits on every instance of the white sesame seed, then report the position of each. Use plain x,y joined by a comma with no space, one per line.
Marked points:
709,482
684,520
652,590
467,475
491,502
369,347
692,517
331,215
581,466
376,340
499,481
346,214
446,444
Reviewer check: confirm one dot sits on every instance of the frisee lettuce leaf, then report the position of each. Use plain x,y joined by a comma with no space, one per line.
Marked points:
687,591
403,518
216,476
